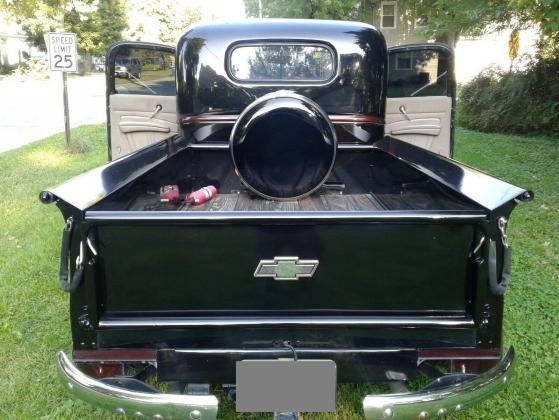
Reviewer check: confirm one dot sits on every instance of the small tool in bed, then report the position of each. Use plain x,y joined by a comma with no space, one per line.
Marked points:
169,194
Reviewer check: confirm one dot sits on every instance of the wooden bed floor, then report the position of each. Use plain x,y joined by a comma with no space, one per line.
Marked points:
244,202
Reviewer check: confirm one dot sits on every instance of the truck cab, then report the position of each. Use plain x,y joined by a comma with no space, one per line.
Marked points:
419,94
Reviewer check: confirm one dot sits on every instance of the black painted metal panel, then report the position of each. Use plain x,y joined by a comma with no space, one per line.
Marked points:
205,86
362,267
316,337
218,366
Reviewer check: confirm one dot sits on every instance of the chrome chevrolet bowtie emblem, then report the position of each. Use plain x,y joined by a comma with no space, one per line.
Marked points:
286,268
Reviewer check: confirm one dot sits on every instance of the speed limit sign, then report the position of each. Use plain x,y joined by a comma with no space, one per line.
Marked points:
62,51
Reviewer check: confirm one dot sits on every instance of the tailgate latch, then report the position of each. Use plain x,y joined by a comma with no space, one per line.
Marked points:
70,283
498,283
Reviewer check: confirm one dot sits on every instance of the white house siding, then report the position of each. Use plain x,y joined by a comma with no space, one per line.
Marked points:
405,31
472,55
14,47
475,54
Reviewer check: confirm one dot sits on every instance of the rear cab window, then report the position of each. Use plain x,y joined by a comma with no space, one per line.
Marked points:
281,62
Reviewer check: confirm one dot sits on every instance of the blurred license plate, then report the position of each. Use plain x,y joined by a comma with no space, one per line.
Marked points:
286,385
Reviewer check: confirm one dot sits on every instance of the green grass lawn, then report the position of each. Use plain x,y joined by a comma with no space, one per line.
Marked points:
34,315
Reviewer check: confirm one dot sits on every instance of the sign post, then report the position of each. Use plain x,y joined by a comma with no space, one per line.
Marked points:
63,57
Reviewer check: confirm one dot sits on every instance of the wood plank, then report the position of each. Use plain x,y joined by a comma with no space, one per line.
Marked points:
337,202
326,202
223,202
248,203
379,205
270,205
312,203
361,202
393,201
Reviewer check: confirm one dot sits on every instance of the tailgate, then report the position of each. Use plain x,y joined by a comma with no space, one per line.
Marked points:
173,267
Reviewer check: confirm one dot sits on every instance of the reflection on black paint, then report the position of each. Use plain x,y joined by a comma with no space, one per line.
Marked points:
141,71
281,62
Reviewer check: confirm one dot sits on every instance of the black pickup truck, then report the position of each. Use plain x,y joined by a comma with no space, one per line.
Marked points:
282,214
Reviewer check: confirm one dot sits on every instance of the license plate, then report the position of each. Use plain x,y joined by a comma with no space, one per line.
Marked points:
286,385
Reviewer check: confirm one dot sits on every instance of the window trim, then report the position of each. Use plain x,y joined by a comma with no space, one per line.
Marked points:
389,3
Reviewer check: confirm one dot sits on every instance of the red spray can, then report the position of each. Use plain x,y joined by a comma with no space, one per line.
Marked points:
202,195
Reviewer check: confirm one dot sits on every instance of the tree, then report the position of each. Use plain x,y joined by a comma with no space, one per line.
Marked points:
98,28
162,20
98,23
174,19
109,21
543,12
310,9
447,20
36,17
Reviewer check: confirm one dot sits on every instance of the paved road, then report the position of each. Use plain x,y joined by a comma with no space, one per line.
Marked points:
33,110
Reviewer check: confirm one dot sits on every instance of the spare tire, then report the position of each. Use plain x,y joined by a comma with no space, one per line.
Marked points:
283,146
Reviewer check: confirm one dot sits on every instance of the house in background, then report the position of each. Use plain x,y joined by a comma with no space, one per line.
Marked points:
396,23
13,45
14,48
472,54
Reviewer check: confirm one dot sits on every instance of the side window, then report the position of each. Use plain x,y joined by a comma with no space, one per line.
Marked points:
144,72
418,73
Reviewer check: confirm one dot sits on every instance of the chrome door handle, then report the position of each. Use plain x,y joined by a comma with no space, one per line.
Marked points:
158,108
402,110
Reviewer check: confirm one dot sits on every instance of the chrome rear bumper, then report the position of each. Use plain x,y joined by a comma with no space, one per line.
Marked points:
423,404
426,404
133,403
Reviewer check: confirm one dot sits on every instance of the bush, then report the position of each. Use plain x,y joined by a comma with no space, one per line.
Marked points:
7,68
513,102
33,69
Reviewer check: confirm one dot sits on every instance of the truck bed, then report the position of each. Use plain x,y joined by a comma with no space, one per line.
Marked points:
364,181
244,201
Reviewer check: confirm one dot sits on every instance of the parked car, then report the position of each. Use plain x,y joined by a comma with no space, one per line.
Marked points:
128,67
344,244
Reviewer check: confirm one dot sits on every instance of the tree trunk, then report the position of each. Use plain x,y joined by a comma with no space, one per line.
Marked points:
448,38
312,9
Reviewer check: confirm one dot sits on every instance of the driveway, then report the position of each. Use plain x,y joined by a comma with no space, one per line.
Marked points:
32,110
